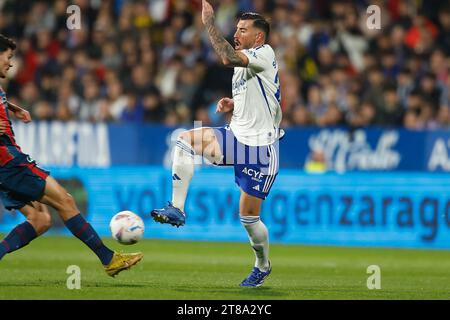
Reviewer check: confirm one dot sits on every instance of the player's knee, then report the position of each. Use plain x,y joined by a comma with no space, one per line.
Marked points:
45,222
68,202
64,202
41,221
185,136
250,207
249,211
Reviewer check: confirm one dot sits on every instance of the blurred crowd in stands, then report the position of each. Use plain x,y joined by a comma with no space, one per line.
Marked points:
150,61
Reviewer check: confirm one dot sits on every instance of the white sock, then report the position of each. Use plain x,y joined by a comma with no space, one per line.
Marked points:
259,239
182,172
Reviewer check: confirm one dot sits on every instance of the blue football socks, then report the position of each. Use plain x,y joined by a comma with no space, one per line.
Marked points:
19,237
82,229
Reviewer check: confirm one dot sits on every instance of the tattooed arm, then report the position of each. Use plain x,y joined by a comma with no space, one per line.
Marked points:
229,56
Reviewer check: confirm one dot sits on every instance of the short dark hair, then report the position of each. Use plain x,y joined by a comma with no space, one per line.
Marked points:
6,43
258,22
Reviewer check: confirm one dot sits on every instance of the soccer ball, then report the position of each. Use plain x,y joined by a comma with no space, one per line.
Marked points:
127,227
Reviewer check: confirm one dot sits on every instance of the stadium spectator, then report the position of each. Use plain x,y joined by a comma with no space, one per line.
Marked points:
443,38
133,111
443,118
374,88
390,113
405,85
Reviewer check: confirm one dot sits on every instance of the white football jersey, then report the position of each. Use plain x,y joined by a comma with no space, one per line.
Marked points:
256,95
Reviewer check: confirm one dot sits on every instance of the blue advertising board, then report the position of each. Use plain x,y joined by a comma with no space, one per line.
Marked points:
101,146
410,210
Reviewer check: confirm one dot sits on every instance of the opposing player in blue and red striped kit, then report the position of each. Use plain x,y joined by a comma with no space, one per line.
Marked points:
249,143
26,187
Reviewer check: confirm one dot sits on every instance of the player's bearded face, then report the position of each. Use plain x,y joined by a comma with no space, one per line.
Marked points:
5,62
245,35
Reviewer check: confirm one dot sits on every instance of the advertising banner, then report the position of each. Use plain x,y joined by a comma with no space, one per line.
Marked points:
90,145
355,209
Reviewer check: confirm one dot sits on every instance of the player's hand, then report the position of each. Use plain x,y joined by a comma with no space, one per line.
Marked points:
23,115
207,13
3,126
225,105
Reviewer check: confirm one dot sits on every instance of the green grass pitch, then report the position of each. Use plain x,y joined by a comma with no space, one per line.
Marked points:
211,270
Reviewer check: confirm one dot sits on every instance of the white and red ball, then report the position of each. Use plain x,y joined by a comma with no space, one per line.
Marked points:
127,227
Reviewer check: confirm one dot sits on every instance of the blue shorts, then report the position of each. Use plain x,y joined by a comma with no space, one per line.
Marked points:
21,181
255,168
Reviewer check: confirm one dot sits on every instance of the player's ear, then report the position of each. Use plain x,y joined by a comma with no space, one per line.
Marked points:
260,36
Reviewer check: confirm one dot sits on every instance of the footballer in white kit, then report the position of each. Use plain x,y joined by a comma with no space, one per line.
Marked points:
249,142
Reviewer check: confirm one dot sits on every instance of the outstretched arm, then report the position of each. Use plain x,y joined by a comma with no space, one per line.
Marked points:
19,112
229,56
